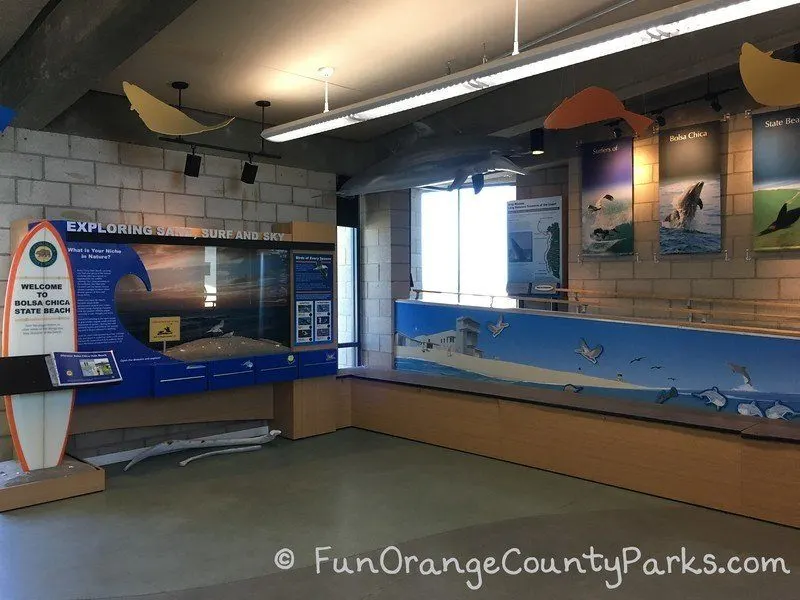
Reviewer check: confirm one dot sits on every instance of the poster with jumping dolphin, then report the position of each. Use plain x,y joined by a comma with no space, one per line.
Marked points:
776,180
607,198
534,246
690,167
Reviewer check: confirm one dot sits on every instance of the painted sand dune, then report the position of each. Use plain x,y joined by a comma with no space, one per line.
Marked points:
224,347
510,371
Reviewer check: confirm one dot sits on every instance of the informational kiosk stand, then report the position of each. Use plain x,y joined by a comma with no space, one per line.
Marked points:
38,321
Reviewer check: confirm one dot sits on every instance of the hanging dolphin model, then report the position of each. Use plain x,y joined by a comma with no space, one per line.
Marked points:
687,206
437,160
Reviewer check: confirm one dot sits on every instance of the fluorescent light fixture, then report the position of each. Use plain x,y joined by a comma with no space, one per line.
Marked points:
669,23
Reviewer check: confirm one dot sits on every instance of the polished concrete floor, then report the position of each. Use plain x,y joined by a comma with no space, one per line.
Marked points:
211,531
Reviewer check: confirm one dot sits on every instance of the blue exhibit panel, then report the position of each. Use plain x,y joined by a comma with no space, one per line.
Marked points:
317,363
137,382
276,367
231,373
182,378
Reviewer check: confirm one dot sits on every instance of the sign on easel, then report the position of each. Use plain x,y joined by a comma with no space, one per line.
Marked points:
39,318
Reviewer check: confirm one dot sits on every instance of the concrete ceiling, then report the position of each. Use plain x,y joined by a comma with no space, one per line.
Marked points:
15,16
239,51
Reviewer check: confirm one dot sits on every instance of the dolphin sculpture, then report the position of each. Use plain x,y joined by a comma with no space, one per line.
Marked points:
785,219
687,206
432,161
770,81
160,117
593,105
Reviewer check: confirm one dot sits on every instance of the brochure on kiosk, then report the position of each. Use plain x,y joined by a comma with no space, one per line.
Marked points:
68,369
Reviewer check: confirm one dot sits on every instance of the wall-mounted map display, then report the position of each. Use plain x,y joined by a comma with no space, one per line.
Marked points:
689,189
607,198
534,246
776,180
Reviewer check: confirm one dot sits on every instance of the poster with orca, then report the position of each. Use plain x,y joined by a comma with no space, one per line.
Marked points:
607,198
776,180
690,167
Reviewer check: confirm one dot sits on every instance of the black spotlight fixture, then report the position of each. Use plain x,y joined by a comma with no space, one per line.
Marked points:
661,120
249,171
617,133
537,141
715,104
192,168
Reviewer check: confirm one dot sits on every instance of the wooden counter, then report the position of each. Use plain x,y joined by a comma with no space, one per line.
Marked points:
737,464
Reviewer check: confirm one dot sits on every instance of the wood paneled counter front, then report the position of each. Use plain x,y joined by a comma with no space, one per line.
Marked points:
736,464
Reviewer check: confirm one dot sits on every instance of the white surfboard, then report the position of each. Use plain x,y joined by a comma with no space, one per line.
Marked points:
39,318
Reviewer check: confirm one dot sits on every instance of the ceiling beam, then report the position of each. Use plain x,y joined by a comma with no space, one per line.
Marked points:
73,47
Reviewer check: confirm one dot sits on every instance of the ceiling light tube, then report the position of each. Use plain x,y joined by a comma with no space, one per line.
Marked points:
669,23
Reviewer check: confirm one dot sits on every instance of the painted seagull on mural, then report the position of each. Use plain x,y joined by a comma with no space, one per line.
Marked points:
439,160
590,354
217,328
497,328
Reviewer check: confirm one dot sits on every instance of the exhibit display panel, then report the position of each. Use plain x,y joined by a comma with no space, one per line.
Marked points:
740,373
187,310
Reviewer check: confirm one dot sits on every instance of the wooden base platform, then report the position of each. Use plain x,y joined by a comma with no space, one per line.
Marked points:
72,478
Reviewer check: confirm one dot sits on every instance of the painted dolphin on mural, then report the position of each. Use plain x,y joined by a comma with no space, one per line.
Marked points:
713,397
742,370
780,411
770,81
593,105
687,206
438,160
750,409
785,219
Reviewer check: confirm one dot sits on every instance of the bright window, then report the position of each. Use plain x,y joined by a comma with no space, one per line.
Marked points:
346,255
464,253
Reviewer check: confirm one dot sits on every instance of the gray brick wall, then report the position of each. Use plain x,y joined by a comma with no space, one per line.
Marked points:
56,176
386,265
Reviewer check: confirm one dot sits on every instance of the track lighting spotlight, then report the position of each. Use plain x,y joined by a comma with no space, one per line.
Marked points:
249,171
192,168
537,141
715,105
661,120
617,133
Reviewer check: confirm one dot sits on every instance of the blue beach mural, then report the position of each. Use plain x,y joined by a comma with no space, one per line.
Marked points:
707,370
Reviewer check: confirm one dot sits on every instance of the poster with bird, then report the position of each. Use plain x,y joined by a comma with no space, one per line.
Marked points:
607,198
776,180
690,166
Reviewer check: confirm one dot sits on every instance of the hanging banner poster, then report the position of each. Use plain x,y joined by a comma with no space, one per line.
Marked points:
313,298
690,212
607,198
534,246
776,180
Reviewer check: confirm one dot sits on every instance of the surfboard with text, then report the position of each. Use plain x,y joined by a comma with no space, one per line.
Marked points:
39,318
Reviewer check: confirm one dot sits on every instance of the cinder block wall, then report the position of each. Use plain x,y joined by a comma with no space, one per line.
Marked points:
385,270
56,176
768,276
